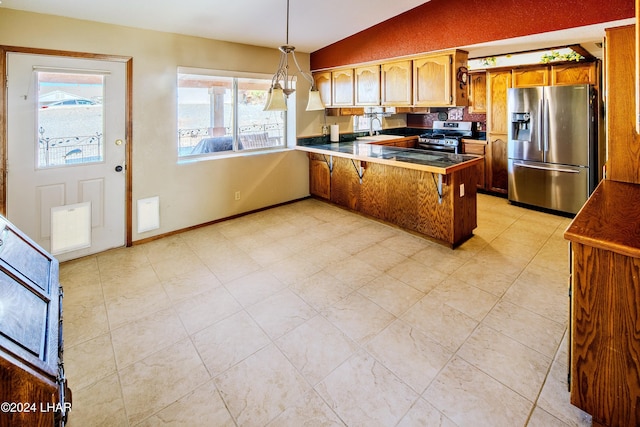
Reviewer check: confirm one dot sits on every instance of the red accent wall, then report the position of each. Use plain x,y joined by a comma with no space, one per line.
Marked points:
446,24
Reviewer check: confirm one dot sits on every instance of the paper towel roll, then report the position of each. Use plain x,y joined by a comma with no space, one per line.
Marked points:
335,133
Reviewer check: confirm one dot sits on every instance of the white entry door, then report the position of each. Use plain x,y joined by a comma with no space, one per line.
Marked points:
66,152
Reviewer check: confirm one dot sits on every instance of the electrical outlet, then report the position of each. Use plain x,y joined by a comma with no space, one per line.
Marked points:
461,190
237,195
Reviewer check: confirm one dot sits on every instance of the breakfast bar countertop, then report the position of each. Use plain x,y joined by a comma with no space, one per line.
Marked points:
410,158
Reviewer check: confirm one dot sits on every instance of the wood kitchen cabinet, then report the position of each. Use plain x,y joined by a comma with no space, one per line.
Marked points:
342,87
367,85
31,346
319,176
584,73
435,80
498,83
479,149
531,76
396,83
604,347
323,83
478,92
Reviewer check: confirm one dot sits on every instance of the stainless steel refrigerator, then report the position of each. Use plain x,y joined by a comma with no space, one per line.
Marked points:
552,146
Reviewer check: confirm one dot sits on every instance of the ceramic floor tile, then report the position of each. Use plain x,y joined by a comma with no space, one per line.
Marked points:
405,244
448,326
526,327
513,364
229,341
254,287
205,309
541,418
136,340
232,265
365,393
554,398
294,269
434,257
190,284
472,301
130,280
410,354
470,397
83,323
167,249
259,388
493,280
353,272
89,361
391,294
100,405
542,291
270,253
162,378
380,257
310,410
422,413
417,275
321,290
185,263
316,348
281,313
358,317
136,304
203,407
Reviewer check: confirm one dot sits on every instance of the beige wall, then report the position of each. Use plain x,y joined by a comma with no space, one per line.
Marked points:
193,193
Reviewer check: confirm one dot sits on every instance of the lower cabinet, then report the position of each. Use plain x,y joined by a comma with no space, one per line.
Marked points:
480,150
319,176
497,174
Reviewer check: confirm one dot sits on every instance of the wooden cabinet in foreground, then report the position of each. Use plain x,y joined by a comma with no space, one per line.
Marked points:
396,83
33,388
604,343
479,149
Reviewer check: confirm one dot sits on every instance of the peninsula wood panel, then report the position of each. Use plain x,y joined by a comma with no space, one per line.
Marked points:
409,198
319,176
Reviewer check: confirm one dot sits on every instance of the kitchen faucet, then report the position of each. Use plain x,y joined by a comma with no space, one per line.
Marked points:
371,131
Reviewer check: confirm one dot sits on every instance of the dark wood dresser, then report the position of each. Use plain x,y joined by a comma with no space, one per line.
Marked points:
33,388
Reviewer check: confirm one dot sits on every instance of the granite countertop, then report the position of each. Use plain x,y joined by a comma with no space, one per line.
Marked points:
430,161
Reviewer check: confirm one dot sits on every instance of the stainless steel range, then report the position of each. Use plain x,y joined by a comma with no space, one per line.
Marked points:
446,136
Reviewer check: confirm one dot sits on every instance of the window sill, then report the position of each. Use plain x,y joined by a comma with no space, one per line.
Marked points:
230,154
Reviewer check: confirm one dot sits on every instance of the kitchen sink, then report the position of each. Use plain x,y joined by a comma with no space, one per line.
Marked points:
378,138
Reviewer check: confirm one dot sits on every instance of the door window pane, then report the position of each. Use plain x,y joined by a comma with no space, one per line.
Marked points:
70,118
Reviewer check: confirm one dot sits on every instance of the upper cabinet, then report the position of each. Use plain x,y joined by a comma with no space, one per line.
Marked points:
440,80
396,83
478,92
531,76
367,85
323,83
574,74
342,87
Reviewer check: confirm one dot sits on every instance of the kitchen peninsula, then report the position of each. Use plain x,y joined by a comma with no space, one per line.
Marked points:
427,192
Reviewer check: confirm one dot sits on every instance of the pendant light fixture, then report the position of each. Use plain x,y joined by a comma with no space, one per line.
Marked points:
282,83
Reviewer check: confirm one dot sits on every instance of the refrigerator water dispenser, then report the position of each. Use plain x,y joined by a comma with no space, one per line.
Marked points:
521,126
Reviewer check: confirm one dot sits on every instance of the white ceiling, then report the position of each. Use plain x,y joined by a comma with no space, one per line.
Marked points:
313,24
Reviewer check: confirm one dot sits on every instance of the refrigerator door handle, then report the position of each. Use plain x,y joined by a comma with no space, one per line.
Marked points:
540,124
544,168
546,125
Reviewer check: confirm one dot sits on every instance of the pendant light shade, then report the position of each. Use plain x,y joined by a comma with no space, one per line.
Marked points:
276,100
315,101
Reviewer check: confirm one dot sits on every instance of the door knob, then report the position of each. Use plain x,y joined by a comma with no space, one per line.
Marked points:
119,168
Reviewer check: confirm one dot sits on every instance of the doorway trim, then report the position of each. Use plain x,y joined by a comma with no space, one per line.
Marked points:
4,50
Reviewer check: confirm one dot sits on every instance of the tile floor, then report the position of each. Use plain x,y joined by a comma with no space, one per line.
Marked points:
309,315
